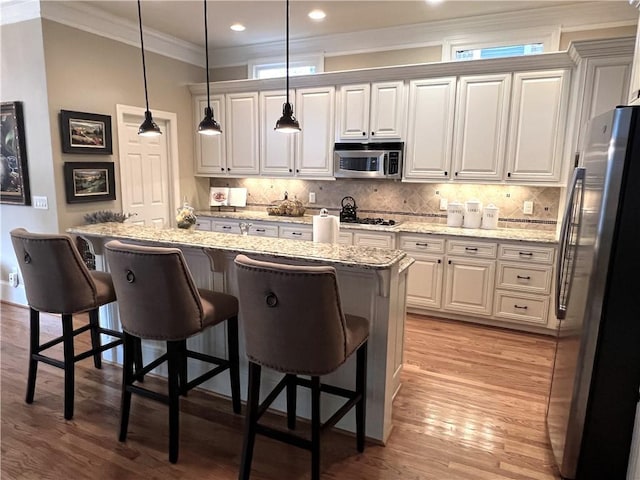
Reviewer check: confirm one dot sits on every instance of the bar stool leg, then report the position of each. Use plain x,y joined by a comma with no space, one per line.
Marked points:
130,347
291,401
137,359
181,346
234,362
34,344
251,421
67,342
315,428
361,389
175,364
94,321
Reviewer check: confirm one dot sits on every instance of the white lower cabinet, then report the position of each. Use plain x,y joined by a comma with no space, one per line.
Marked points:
469,285
296,232
263,230
374,239
424,280
226,226
521,307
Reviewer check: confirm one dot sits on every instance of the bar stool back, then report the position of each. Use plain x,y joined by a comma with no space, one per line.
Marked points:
56,280
158,300
293,323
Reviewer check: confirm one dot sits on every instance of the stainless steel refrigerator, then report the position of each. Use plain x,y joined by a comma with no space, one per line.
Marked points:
596,374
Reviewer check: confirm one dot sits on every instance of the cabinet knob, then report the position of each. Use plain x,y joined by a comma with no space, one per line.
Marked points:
373,133
364,134
508,174
449,262
440,261
290,170
297,170
222,169
446,173
456,174
228,169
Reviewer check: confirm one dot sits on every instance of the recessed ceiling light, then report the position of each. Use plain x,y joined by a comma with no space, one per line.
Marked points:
238,27
434,2
317,14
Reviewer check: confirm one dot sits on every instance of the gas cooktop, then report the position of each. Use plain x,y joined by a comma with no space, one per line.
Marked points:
370,221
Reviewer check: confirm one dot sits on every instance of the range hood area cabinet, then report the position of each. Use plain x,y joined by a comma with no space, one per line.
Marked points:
307,154
235,152
493,127
371,111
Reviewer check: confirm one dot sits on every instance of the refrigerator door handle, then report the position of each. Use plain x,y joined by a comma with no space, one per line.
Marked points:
578,175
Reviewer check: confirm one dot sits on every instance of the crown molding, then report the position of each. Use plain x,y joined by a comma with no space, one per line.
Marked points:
582,15
595,48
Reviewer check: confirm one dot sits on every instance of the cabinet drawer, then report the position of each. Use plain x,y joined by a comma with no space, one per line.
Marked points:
374,239
345,238
525,253
525,278
264,230
203,224
521,308
296,233
231,226
421,244
472,249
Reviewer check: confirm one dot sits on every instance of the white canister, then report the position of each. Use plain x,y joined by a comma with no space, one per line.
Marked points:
455,214
472,214
490,217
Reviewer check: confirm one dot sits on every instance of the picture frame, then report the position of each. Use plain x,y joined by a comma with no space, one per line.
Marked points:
14,173
85,133
89,182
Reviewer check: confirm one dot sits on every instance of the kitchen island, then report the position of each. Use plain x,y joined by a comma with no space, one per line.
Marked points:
372,284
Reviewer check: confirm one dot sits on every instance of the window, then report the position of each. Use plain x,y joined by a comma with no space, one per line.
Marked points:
499,52
270,68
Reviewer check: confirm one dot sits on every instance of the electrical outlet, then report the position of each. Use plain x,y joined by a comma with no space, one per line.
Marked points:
443,204
527,208
40,202
312,197
13,279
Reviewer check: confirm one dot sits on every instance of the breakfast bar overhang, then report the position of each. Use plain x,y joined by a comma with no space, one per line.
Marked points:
372,283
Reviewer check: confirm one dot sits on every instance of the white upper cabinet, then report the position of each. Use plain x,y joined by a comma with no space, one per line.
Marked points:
277,149
315,110
480,131
210,150
371,111
242,134
537,126
430,128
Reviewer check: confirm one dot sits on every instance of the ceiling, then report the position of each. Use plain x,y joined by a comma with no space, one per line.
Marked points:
265,19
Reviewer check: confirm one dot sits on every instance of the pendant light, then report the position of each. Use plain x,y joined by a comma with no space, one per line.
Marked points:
287,122
148,128
208,125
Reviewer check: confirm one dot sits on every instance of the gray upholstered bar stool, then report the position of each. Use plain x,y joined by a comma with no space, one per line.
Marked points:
293,323
56,280
158,300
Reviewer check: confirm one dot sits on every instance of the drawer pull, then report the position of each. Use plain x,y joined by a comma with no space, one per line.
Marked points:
226,227
526,254
261,230
524,307
421,244
523,277
471,249
296,233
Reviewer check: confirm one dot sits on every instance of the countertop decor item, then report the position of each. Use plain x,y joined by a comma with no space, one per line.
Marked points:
186,218
208,125
148,128
104,216
287,208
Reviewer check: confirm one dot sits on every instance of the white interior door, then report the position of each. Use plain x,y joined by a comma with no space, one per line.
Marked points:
146,179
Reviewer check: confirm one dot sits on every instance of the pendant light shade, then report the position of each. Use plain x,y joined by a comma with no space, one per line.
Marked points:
148,128
287,122
208,125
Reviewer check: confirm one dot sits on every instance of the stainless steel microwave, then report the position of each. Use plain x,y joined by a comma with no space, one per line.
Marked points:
368,160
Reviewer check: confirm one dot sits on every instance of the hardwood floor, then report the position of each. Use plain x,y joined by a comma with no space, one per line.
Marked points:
471,408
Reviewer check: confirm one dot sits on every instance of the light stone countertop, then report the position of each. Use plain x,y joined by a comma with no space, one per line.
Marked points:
511,234
328,254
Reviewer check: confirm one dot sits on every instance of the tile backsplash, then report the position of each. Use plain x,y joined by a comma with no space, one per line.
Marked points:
405,201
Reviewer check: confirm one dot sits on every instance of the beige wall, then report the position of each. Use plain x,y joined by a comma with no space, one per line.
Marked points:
89,73
24,79
408,56
602,33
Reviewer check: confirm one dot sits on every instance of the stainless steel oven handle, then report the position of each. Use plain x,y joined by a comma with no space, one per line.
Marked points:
578,175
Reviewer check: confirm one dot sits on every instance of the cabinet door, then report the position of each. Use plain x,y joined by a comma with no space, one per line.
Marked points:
537,125
353,121
469,285
480,132
387,110
315,110
424,282
276,148
430,128
374,239
242,134
210,150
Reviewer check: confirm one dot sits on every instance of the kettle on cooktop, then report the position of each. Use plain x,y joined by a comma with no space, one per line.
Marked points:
349,210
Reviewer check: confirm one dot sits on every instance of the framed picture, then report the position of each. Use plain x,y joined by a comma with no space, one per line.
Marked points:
14,175
89,182
85,133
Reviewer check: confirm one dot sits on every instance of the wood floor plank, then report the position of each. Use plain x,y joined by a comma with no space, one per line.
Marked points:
471,407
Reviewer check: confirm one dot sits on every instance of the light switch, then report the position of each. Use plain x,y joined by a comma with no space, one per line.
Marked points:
312,197
40,202
527,208
443,204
